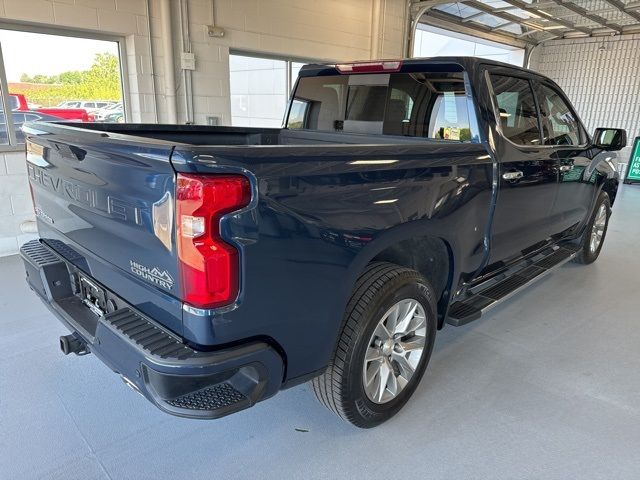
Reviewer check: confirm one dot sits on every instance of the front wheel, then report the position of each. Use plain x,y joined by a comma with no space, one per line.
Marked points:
384,347
596,231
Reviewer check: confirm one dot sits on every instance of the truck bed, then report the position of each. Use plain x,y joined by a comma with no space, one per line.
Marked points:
234,136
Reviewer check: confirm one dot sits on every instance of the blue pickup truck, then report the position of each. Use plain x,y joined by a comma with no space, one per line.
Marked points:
211,267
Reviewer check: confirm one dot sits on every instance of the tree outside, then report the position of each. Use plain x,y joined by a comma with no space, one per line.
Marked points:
100,82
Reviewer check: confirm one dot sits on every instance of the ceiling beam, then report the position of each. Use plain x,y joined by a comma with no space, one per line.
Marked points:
498,27
427,4
624,9
599,11
472,17
569,5
550,36
542,14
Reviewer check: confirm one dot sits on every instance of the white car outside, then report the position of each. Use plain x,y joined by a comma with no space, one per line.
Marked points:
91,106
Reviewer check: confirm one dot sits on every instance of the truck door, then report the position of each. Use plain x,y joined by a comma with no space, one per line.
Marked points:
562,130
528,172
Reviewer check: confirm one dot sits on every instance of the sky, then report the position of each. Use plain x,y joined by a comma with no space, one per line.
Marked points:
37,53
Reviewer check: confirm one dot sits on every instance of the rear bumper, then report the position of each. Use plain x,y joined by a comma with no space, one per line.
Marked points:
176,378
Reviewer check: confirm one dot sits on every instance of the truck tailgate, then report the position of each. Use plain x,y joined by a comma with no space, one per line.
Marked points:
106,204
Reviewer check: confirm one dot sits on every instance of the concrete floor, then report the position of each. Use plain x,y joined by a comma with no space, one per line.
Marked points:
547,386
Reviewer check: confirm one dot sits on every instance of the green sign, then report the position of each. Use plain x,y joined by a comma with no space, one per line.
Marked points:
633,169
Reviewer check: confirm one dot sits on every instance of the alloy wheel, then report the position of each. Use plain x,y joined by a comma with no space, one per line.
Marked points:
394,351
597,231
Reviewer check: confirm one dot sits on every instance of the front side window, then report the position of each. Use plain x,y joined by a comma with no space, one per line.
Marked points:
517,109
430,105
560,124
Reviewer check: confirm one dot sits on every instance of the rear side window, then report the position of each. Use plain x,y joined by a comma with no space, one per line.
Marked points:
518,113
431,105
560,123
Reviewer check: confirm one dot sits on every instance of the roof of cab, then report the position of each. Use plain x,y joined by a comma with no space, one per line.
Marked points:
466,63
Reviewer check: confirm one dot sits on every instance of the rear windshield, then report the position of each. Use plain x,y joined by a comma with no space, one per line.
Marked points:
431,105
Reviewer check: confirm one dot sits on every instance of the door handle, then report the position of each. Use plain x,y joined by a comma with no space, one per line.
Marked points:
514,175
566,168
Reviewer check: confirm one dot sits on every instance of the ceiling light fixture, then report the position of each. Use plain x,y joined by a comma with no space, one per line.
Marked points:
373,162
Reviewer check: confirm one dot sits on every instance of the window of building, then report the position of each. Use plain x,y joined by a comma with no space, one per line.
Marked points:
431,41
430,105
260,89
42,82
517,109
295,69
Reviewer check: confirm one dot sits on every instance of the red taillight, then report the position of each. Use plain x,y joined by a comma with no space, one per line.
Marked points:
209,267
370,67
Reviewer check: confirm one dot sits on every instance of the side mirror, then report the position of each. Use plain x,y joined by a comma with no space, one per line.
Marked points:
611,139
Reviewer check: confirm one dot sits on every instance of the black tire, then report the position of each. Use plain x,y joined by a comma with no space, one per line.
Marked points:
586,255
340,388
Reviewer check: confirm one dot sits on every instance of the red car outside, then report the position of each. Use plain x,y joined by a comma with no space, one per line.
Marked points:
19,103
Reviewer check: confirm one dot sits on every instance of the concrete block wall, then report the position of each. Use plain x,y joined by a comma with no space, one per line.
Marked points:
393,29
305,29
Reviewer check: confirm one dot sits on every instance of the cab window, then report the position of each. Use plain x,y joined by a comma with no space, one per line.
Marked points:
430,105
517,109
559,122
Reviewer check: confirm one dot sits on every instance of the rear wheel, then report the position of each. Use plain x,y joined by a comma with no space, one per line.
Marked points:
596,231
384,347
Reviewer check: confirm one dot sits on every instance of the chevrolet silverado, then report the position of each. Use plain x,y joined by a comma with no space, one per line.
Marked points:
211,267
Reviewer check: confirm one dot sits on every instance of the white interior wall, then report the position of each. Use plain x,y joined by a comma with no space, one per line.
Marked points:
601,77
325,29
